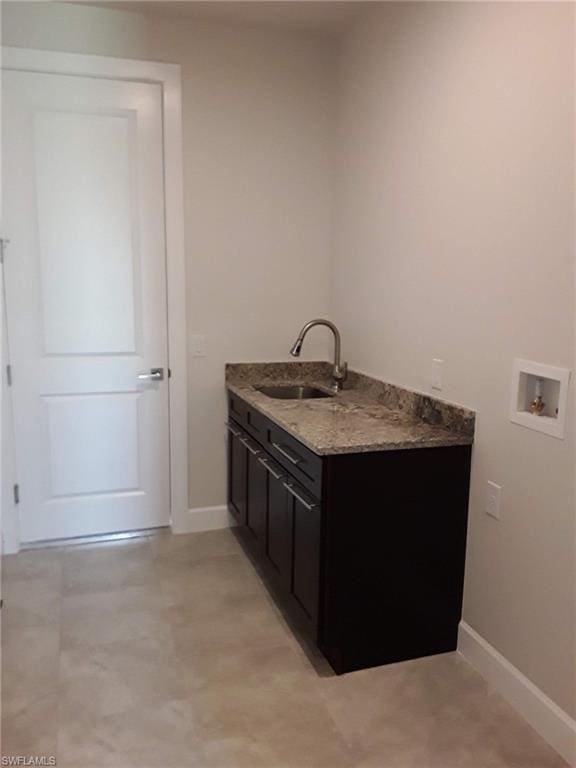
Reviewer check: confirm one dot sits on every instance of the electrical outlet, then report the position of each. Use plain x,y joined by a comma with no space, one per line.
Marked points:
437,366
198,343
493,493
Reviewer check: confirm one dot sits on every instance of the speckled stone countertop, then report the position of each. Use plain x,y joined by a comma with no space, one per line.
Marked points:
368,415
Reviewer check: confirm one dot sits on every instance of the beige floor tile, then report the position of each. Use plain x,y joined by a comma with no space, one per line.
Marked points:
205,605
510,740
110,603
238,752
31,728
109,679
230,575
294,727
194,547
32,564
275,668
158,736
431,713
123,626
30,664
103,567
32,602
267,695
375,706
168,652
399,754
244,621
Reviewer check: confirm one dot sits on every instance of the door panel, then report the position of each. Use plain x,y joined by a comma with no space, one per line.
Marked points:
306,557
279,545
86,299
81,158
257,501
238,475
86,454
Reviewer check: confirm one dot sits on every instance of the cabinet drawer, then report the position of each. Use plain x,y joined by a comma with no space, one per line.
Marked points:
249,418
301,462
256,425
238,409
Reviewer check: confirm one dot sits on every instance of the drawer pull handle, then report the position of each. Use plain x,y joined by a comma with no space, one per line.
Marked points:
246,443
235,432
268,468
302,500
292,457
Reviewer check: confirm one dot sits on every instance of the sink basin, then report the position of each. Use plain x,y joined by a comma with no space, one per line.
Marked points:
293,392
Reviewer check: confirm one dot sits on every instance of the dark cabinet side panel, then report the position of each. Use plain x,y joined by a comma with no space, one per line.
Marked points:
394,555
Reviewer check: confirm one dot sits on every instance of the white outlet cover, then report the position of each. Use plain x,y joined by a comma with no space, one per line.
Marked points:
493,494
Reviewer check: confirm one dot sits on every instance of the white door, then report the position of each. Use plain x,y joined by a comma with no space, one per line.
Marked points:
86,294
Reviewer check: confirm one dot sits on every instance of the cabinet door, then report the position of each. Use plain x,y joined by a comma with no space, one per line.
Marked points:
279,538
305,586
237,474
257,506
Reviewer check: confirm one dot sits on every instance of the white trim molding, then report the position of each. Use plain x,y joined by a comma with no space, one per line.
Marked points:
546,717
168,76
206,519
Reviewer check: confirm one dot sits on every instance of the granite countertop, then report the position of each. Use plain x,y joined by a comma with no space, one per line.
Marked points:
368,415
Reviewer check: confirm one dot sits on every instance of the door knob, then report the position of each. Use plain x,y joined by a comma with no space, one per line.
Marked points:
156,374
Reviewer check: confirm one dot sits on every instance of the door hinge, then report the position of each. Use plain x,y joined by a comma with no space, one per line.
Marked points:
16,493
9,374
4,243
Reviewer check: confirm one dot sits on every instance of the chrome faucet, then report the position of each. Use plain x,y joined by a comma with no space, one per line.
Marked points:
340,370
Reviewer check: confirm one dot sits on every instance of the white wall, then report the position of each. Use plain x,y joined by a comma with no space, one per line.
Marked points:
258,116
258,112
454,239
56,26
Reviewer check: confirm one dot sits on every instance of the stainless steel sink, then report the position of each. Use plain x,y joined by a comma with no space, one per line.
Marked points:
293,392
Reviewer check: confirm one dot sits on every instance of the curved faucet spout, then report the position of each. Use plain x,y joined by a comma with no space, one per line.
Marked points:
340,370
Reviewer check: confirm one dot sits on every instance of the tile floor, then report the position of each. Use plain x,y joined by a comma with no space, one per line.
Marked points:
167,651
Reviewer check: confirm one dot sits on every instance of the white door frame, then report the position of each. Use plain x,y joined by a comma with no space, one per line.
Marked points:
168,76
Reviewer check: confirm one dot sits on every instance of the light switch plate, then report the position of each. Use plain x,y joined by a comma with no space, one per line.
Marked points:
198,341
437,366
493,493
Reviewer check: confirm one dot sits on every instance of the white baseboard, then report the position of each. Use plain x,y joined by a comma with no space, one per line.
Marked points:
203,519
546,717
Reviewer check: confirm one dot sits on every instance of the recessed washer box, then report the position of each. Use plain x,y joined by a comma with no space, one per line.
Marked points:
531,379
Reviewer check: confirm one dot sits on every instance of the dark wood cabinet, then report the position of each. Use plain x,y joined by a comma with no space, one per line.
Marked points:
365,551
279,538
256,501
306,521
237,474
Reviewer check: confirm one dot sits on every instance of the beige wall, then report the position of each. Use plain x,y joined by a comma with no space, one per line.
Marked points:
454,240
258,114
